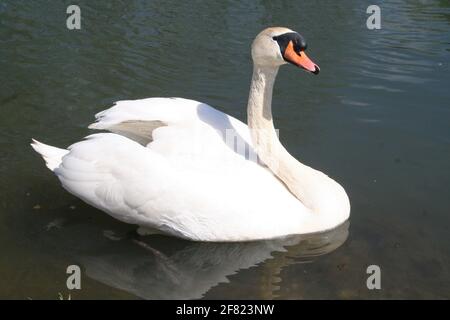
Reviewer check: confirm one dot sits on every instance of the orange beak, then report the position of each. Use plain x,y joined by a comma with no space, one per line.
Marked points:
300,59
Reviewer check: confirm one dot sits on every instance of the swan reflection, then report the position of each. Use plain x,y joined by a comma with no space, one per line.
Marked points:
159,267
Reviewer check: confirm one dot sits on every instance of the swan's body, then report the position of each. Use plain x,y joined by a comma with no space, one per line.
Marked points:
169,165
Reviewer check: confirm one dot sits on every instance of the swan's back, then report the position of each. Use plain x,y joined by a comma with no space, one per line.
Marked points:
179,175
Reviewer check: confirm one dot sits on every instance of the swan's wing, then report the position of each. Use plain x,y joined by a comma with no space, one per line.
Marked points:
180,129
187,181
114,174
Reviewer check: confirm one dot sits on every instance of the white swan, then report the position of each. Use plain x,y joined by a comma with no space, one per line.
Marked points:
169,165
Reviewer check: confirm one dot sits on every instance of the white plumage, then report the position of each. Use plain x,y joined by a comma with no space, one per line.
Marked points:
187,182
169,165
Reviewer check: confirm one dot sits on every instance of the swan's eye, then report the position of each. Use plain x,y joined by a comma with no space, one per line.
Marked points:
299,43
297,40
300,46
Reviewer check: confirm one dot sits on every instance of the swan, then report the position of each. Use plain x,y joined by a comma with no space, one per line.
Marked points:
182,168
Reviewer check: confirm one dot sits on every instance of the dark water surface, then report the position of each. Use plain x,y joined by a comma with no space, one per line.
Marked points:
377,119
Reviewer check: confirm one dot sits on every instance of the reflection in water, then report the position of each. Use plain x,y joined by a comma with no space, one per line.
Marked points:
166,268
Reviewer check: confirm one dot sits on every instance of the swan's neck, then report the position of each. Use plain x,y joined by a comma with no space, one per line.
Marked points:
306,184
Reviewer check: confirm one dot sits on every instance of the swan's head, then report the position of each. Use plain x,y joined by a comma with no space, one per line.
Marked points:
277,46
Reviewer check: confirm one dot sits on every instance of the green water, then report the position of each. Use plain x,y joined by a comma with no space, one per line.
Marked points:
377,119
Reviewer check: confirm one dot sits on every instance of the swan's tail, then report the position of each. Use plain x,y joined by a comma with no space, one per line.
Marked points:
52,155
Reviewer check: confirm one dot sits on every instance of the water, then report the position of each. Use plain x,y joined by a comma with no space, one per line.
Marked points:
377,119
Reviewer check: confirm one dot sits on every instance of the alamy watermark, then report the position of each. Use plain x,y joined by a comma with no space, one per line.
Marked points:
374,280
73,21
73,281
373,22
